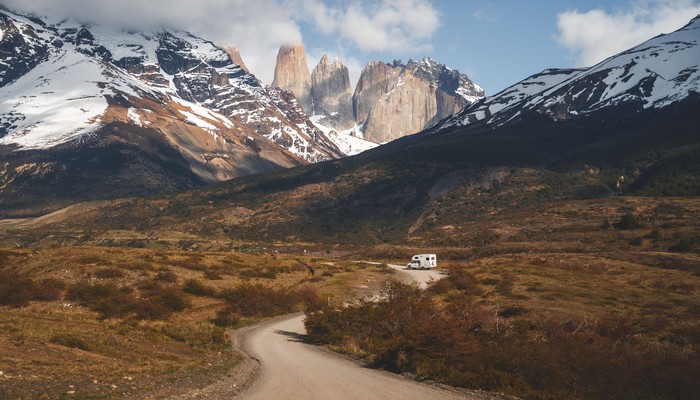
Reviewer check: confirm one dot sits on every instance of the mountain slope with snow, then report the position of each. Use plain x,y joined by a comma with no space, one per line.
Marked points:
655,74
78,68
70,91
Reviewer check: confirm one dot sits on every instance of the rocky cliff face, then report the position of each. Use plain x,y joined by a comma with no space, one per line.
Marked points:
292,73
93,112
235,55
395,100
377,79
332,94
390,100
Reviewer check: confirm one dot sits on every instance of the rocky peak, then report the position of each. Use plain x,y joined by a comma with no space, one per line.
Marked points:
394,100
20,49
376,80
331,93
292,73
235,55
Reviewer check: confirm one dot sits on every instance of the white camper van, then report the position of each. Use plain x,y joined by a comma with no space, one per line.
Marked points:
422,261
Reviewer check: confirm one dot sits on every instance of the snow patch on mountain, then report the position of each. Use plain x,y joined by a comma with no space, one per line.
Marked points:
347,141
655,74
70,73
53,103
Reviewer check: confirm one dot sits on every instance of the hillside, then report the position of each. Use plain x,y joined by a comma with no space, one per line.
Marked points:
95,112
568,232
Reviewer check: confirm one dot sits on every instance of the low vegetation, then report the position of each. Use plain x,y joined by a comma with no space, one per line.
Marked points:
72,316
556,289
451,335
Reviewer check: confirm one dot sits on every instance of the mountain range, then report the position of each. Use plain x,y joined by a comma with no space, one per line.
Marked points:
389,101
143,113
88,111
558,136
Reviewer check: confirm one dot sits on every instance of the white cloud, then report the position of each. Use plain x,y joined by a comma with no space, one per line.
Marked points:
258,28
597,34
392,26
488,13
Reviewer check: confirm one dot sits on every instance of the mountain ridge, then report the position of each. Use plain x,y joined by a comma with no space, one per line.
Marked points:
640,74
390,100
76,87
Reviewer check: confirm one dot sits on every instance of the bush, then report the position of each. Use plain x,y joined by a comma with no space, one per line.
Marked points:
638,241
166,276
107,299
108,273
113,302
18,291
628,221
259,273
683,246
212,275
197,334
229,316
68,340
48,290
455,341
655,234
258,300
458,278
15,290
197,288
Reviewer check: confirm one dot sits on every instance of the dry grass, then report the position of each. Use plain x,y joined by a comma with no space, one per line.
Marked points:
82,314
539,269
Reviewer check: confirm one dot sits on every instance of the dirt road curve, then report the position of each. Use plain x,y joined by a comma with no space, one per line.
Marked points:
292,369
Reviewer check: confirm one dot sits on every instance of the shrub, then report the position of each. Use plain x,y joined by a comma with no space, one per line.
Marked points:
68,340
684,245
166,276
108,273
259,272
511,311
17,290
458,278
48,290
255,299
229,316
107,299
212,275
455,341
628,221
197,288
111,301
197,334
655,234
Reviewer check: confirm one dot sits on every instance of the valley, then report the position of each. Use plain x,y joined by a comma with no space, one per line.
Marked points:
535,271
174,228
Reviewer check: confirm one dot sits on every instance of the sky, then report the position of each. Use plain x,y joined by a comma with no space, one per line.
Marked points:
496,43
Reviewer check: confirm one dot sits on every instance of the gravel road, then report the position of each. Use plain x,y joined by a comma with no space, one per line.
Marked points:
292,369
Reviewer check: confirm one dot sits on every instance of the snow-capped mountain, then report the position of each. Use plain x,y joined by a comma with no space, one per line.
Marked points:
390,100
655,74
172,98
57,80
